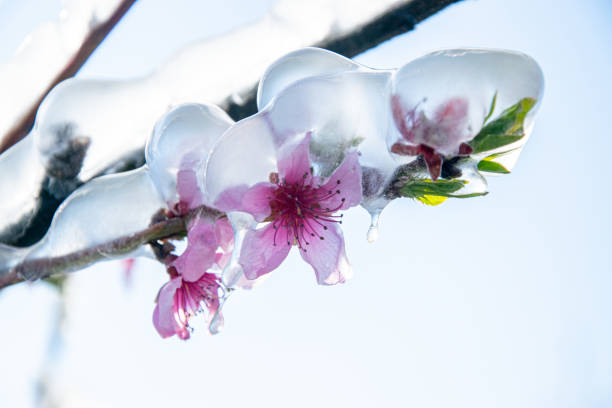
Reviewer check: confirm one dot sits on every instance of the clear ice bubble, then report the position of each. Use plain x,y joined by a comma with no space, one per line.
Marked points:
474,75
296,65
100,211
116,117
182,139
244,155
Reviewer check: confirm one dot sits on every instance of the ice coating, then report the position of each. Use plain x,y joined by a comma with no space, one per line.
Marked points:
118,116
181,141
9,257
102,210
22,175
467,79
45,52
115,116
297,65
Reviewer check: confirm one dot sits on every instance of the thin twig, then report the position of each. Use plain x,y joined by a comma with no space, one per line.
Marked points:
44,267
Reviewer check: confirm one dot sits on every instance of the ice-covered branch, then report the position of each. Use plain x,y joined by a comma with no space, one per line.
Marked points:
39,268
106,123
329,135
398,19
52,53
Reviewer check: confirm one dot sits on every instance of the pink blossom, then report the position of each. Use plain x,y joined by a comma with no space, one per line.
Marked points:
192,288
181,299
299,209
433,138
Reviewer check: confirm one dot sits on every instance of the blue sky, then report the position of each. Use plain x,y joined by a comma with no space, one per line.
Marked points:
496,301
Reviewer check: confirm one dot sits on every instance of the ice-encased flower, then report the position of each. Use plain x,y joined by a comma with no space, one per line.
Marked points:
444,134
297,207
177,151
193,288
440,101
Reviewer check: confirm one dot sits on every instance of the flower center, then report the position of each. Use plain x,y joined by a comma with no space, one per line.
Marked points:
302,210
192,297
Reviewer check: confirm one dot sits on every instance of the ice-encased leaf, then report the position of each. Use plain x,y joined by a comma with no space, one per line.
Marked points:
100,211
182,139
300,64
466,183
504,130
475,76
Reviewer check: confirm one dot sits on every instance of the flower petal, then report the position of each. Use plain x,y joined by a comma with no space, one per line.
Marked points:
163,314
225,240
260,253
189,193
200,252
231,199
346,180
224,234
328,257
294,161
256,200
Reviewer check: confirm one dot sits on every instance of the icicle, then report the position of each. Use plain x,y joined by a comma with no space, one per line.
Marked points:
372,234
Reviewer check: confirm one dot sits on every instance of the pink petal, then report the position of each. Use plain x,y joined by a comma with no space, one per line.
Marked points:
328,257
188,190
163,315
224,234
398,114
231,199
294,161
225,240
346,179
200,252
256,200
260,254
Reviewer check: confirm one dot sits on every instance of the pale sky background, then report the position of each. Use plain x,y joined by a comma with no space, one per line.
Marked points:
501,301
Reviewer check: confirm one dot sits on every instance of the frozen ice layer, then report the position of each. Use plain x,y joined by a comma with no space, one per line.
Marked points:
442,99
44,53
20,183
115,117
181,141
102,210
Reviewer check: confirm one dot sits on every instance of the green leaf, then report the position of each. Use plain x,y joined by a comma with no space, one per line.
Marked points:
432,199
507,128
492,167
491,109
435,192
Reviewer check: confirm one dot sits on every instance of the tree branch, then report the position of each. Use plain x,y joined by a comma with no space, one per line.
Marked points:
395,21
88,46
44,267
